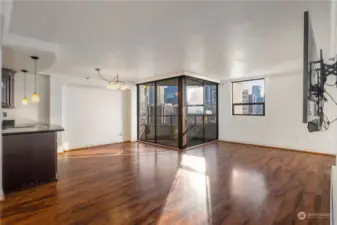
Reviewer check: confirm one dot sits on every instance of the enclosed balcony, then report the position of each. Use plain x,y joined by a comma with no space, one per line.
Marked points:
180,112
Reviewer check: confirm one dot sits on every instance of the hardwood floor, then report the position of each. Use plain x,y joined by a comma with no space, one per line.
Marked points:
135,183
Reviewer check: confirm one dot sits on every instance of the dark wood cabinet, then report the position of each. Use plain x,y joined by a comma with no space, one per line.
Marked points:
7,87
28,160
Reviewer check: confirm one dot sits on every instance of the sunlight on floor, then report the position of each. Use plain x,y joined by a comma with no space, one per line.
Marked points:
189,193
248,187
194,163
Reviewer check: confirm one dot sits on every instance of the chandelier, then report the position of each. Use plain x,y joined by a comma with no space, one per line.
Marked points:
115,83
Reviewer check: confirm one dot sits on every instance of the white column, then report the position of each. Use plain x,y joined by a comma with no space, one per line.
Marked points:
1,37
134,113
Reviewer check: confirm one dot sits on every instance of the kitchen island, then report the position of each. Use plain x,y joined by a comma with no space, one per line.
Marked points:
29,156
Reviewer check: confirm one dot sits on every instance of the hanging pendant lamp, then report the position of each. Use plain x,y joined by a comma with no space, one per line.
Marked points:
115,83
24,100
35,96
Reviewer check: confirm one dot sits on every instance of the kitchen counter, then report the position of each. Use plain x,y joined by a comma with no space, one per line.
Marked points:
29,154
31,129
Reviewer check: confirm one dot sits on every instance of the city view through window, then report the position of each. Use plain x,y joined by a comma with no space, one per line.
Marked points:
160,121
199,99
248,97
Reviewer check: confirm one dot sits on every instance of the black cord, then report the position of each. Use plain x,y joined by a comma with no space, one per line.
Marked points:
331,97
319,91
325,120
333,121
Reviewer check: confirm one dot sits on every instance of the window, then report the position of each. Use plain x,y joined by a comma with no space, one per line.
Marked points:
7,88
248,98
195,99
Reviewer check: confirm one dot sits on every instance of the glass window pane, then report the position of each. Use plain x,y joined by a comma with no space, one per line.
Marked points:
195,130
167,112
248,109
195,95
195,110
248,91
146,112
210,99
210,125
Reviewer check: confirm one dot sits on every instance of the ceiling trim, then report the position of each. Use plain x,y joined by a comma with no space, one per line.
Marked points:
11,39
282,74
176,74
6,13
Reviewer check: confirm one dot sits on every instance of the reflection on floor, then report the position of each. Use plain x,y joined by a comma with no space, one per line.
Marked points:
113,149
174,143
219,183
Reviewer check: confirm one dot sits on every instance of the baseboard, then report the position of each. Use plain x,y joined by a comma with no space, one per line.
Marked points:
94,146
177,149
280,148
159,145
60,150
198,146
333,194
2,195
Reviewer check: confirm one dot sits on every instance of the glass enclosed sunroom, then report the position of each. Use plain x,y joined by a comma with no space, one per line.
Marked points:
180,112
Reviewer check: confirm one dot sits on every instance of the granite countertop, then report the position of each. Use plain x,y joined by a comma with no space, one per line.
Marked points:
27,129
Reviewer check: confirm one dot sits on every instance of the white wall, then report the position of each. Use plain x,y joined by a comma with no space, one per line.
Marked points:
56,108
282,125
126,114
122,110
91,116
33,112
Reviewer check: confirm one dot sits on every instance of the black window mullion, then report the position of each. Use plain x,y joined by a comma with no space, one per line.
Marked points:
155,112
138,114
246,104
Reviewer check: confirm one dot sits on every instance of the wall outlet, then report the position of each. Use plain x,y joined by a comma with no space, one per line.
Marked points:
121,134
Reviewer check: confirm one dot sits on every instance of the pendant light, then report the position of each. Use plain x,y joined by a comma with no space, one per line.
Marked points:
115,83
24,100
35,96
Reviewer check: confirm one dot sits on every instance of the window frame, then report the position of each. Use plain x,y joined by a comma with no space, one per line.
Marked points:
242,104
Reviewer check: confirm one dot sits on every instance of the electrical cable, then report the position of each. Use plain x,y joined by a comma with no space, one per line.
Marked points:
325,120
331,97
317,93
334,120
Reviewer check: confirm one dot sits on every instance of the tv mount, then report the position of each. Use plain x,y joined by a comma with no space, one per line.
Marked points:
317,92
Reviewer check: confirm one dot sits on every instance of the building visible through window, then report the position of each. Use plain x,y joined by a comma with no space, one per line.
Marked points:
248,98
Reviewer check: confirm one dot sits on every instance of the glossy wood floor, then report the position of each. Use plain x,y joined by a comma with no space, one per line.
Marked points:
135,183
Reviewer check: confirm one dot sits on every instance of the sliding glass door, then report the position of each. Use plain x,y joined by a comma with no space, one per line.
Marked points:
211,112
194,112
146,116
167,112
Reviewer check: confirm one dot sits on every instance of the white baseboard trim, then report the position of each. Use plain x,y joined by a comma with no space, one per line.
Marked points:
60,149
2,195
277,147
333,199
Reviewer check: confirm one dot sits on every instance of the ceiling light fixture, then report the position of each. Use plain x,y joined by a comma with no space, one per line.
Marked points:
24,101
35,96
115,83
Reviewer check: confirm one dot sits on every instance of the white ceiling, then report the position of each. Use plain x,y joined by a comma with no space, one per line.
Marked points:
145,39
